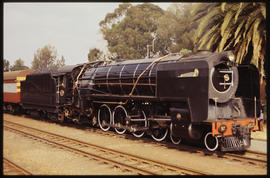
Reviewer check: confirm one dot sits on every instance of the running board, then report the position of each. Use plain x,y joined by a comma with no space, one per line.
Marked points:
129,128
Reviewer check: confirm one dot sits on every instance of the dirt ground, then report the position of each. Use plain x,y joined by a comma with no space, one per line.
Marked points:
44,159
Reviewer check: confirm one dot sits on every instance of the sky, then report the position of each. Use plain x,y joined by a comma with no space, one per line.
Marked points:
72,28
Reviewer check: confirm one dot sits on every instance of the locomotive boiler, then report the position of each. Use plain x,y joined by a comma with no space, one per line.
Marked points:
202,96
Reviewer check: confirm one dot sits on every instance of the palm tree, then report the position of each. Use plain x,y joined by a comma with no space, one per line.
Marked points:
240,27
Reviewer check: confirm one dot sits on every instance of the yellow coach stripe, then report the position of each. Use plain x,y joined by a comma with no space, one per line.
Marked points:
18,84
20,78
18,90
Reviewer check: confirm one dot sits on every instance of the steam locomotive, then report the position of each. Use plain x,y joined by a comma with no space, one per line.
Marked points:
201,96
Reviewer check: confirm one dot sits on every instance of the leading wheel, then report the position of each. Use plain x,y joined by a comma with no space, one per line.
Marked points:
210,142
175,140
139,134
104,117
119,118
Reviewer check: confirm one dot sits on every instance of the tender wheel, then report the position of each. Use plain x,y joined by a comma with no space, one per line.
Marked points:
175,140
53,117
42,114
104,117
119,117
61,117
139,134
159,134
11,109
210,142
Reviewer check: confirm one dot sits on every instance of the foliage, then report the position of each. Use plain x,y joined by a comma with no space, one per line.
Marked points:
60,62
176,27
129,29
47,58
18,65
240,27
95,55
5,65
185,51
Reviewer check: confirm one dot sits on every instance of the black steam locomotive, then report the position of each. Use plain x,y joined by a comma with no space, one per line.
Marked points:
201,96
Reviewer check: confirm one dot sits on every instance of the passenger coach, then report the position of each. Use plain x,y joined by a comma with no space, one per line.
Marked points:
12,89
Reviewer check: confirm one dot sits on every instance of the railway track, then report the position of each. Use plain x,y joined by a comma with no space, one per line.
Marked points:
124,161
258,139
12,168
249,156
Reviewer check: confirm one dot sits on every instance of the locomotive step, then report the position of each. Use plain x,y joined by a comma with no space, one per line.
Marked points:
164,118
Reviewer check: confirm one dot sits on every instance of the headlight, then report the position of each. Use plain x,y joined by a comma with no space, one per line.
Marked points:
222,128
231,56
251,125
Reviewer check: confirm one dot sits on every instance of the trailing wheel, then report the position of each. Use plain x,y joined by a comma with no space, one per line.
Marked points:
159,133
139,134
175,140
210,142
104,117
119,118
53,117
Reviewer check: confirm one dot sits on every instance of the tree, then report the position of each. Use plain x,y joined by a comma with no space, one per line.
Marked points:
95,55
60,62
176,27
240,27
18,65
129,29
47,58
6,65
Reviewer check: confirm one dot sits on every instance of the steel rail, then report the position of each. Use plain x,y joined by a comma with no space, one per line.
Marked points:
259,139
12,168
248,156
141,166
260,157
85,154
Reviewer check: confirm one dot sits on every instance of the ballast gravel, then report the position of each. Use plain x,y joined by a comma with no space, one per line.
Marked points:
44,159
